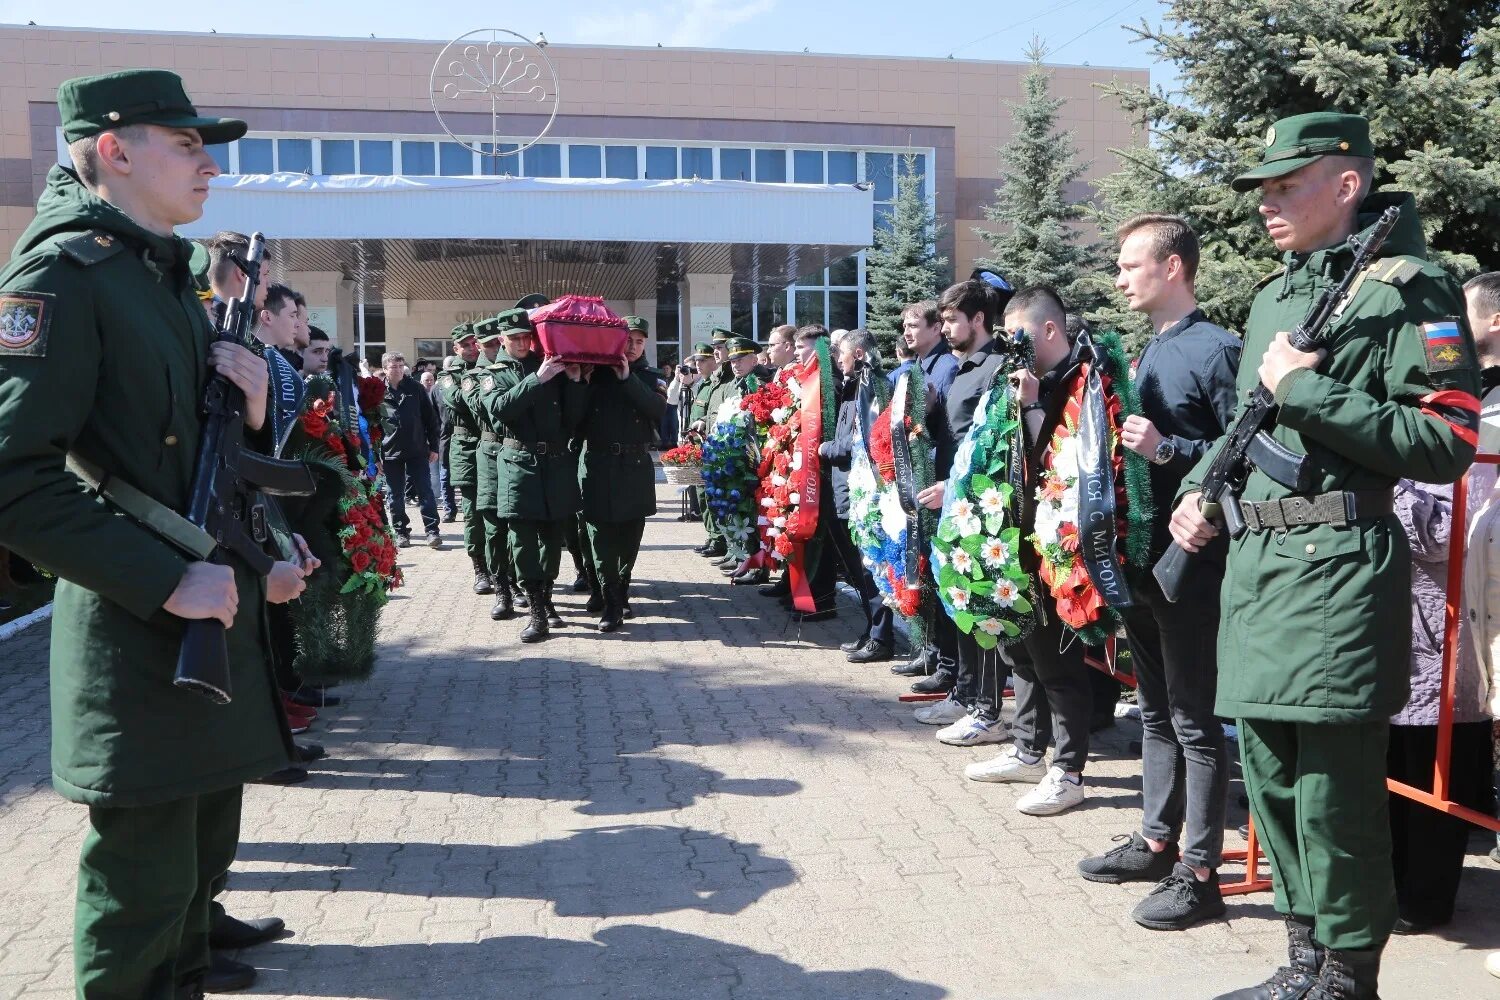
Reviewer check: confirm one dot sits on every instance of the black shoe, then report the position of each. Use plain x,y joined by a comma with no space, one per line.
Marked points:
808,617
519,598
306,754
917,666
702,550
554,619
1418,925
612,618
726,561
225,975
1292,981
1179,901
315,697
853,644
872,652
230,933
750,578
504,606
285,776
482,582
581,583
1132,861
1348,975
403,541
715,551
778,589
941,682
536,627
595,602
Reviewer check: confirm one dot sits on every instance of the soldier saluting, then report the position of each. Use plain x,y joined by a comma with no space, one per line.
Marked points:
98,282
1315,632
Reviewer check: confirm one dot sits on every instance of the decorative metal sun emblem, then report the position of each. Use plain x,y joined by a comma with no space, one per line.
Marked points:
498,73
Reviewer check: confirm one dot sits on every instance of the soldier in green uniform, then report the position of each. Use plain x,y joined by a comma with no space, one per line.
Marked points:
617,478
496,550
715,390
748,375
463,448
1314,646
536,415
97,282
697,410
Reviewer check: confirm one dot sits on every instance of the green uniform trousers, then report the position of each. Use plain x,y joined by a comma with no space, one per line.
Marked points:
615,547
1319,799
146,879
576,534
536,548
473,525
711,524
497,558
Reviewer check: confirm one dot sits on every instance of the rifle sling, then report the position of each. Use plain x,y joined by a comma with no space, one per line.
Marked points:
152,514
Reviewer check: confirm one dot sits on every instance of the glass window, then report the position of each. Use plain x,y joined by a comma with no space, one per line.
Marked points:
621,162
505,164
742,310
375,157
843,310
878,167
770,166
734,164
417,159
810,306
338,156
770,311
843,166
698,162
294,155
844,272
542,160
455,160
812,279
661,163
585,161
807,166
220,152
255,156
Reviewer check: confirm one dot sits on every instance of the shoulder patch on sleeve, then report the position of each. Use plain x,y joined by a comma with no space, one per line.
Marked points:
489,384
1443,342
1394,270
91,248
25,318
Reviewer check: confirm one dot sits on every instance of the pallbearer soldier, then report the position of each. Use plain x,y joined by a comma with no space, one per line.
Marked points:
99,279
463,447
536,414
496,552
1316,607
617,479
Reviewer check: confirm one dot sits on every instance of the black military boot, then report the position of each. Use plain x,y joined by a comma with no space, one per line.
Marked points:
504,607
596,596
536,628
553,618
614,610
1296,979
519,598
482,582
1348,975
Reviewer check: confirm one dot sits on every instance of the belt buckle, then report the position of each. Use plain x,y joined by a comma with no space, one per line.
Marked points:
541,448
1250,511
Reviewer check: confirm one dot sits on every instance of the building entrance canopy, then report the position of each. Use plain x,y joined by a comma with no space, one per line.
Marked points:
461,237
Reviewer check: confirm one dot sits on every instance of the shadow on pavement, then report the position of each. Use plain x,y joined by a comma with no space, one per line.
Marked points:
621,963
618,871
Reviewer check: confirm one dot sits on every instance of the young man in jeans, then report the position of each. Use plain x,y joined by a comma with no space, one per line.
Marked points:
409,450
1186,380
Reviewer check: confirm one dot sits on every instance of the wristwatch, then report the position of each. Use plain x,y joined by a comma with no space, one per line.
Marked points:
1165,451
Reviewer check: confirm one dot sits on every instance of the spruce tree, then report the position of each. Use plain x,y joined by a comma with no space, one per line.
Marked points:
1425,72
1036,238
904,266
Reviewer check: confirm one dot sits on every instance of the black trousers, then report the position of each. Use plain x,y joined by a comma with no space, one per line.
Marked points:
1053,694
879,623
1428,847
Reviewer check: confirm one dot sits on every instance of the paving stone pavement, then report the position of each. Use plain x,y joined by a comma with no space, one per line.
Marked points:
705,805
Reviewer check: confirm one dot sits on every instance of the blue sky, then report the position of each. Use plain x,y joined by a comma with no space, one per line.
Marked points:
1078,31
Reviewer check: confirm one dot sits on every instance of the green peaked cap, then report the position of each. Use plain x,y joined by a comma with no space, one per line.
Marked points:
1292,143
89,105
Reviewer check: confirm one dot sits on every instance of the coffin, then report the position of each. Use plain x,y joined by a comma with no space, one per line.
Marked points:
580,328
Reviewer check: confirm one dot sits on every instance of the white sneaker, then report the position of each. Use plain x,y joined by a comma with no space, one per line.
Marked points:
1492,963
1055,794
1008,766
970,732
940,713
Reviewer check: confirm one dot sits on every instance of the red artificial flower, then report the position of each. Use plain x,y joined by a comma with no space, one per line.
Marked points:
371,393
1067,537
360,561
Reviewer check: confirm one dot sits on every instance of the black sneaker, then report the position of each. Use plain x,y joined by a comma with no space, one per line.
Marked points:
1132,861
1179,901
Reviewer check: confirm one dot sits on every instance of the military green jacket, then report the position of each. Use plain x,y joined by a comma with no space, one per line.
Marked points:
617,477
475,384
538,475
721,388
698,409
1315,623
103,351
462,446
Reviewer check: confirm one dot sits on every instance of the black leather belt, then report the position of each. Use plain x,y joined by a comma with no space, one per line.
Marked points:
619,447
488,436
1339,509
538,447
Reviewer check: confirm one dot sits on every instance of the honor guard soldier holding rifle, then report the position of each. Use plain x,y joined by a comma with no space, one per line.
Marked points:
1315,633
97,282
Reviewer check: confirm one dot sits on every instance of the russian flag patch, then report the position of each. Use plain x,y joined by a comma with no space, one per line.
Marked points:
1444,342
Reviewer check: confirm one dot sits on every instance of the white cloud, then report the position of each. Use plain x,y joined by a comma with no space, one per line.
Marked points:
688,23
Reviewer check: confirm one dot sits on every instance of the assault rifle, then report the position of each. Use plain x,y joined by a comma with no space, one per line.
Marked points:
1249,444
228,480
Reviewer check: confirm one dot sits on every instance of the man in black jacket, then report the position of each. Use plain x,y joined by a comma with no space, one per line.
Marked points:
409,449
1186,381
